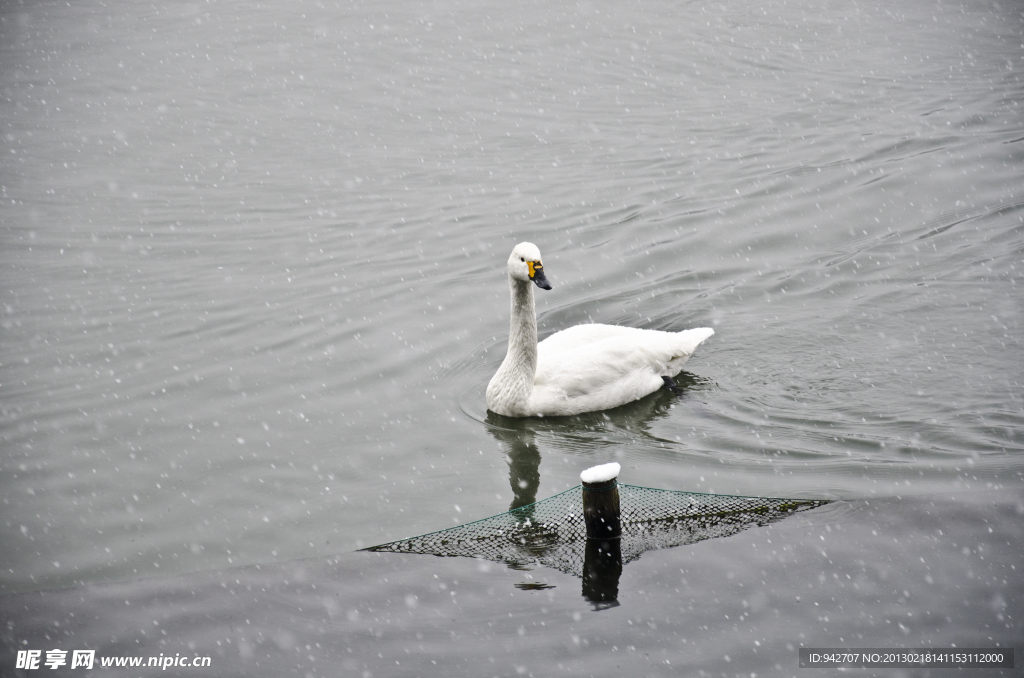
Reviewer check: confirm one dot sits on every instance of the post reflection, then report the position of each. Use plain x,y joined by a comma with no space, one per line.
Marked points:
602,567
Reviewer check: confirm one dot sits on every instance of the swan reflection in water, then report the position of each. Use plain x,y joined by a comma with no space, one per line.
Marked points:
551,532
518,436
523,459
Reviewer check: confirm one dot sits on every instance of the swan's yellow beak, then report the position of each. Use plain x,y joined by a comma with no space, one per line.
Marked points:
537,275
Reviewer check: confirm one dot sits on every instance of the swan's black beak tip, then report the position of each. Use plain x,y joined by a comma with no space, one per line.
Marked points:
541,280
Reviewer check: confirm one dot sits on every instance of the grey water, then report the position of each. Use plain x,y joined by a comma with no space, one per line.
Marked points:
252,264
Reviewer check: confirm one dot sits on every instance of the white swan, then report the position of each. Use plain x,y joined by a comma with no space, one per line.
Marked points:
581,369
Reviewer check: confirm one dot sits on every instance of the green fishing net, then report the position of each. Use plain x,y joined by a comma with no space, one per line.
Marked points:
551,532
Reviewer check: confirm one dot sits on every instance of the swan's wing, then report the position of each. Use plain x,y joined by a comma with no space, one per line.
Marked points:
581,335
623,346
603,366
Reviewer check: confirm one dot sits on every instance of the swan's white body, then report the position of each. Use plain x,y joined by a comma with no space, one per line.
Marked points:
584,368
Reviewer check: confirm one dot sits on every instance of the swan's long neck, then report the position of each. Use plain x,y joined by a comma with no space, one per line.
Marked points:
522,334
512,385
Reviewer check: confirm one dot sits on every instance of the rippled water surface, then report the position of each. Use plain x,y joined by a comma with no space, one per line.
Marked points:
253,261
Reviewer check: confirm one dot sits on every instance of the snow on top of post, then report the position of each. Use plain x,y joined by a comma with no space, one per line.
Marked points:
601,474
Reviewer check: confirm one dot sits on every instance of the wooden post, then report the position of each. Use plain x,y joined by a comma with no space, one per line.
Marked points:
601,501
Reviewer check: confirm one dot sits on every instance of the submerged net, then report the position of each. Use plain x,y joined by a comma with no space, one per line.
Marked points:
551,532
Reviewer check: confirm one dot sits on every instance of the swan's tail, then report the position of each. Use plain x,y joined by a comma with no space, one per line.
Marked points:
689,340
686,343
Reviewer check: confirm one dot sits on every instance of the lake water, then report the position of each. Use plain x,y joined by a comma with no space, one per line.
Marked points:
253,269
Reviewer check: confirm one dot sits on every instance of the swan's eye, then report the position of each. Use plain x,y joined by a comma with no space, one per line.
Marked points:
522,258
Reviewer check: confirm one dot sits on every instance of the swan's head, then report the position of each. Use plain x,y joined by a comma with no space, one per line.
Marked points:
524,264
